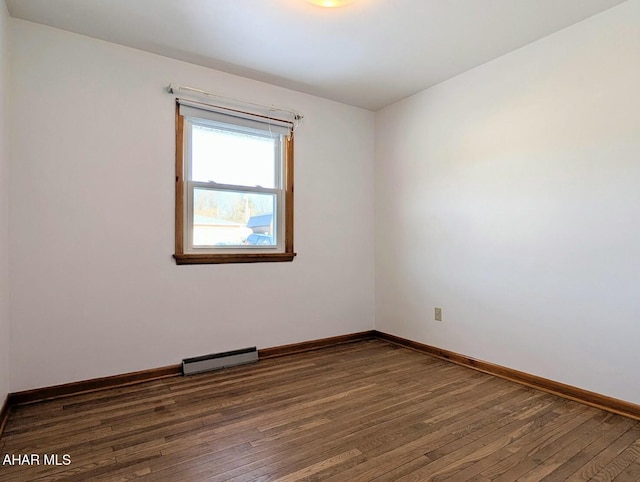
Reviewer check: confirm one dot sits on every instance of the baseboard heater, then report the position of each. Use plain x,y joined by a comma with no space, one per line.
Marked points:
218,361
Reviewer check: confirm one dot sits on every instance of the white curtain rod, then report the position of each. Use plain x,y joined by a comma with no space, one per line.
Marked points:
174,88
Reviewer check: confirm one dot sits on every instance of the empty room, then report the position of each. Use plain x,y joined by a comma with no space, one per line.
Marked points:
436,278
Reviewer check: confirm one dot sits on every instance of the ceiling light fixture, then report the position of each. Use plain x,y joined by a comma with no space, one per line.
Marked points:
330,3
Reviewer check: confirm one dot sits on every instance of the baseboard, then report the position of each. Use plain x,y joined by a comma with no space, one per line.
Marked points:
96,384
567,391
4,414
315,344
593,399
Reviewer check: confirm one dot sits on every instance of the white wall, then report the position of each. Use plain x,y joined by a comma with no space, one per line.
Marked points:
510,197
95,289
4,204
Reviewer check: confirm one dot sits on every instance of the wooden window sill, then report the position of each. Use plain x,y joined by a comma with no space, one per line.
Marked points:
233,258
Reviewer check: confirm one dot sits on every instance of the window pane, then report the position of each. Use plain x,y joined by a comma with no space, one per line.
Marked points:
229,157
223,218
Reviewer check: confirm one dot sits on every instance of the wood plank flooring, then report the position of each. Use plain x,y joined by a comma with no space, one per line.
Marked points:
354,412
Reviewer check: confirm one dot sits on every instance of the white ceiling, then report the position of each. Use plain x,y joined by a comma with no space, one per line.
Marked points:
368,54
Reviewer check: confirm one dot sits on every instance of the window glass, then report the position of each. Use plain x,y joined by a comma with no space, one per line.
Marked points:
228,157
227,218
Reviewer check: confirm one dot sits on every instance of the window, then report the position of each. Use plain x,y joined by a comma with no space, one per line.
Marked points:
234,186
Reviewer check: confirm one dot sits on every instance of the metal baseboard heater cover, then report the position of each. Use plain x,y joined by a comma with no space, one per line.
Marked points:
218,361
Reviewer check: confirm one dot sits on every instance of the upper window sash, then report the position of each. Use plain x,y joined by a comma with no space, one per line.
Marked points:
272,140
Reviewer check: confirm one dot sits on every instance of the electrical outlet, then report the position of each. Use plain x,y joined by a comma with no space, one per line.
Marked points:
438,314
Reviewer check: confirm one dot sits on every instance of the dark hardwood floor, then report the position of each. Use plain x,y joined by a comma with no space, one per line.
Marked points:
354,412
